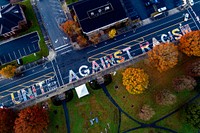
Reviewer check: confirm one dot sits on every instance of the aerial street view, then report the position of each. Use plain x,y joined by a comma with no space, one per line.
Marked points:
99,66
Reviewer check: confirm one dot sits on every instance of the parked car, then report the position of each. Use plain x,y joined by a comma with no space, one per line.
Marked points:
191,2
186,17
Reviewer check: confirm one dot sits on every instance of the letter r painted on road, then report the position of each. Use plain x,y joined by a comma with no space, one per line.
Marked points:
146,46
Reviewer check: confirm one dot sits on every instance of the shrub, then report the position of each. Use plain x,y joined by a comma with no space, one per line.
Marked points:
194,69
146,113
184,83
164,97
193,115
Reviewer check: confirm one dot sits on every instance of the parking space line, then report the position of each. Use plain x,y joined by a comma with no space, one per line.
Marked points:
20,53
34,41
14,54
9,56
4,57
29,49
24,51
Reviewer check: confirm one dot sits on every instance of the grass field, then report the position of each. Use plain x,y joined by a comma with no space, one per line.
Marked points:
158,81
30,16
57,119
94,105
82,110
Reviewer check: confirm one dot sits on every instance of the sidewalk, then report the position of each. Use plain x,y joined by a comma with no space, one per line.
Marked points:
170,12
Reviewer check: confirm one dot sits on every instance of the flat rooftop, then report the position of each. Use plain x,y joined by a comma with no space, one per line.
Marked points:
19,47
95,14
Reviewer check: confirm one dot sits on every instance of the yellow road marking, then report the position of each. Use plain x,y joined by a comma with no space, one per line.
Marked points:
24,83
92,58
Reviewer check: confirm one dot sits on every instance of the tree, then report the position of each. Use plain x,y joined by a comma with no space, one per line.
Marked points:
193,114
32,120
164,97
82,41
184,83
8,71
7,120
190,44
146,112
194,69
70,27
135,80
163,56
95,38
112,33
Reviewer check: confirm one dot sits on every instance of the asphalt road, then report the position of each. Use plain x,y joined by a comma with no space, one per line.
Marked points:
49,76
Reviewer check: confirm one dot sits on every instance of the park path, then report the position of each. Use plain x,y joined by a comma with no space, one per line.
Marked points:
66,115
143,125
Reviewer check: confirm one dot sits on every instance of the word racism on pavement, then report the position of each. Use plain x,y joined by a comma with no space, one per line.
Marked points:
127,53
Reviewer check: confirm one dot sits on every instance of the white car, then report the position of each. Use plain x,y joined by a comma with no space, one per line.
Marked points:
186,17
191,2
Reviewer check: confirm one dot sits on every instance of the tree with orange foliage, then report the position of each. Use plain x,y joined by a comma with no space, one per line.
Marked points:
190,44
7,120
70,27
32,120
95,38
163,56
135,80
8,71
82,41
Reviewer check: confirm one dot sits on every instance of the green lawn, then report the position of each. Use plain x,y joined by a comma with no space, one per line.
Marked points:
94,105
132,103
71,1
82,110
57,119
30,16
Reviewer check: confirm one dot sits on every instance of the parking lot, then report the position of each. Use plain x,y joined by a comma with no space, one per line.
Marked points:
19,47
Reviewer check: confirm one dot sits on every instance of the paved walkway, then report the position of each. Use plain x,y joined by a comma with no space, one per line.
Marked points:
66,115
143,125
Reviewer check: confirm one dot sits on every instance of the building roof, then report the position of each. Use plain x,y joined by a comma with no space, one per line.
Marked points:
19,47
10,15
94,14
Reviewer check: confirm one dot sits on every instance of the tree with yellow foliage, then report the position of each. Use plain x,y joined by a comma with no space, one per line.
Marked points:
8,71
135,80
112,33
190,44
163,56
